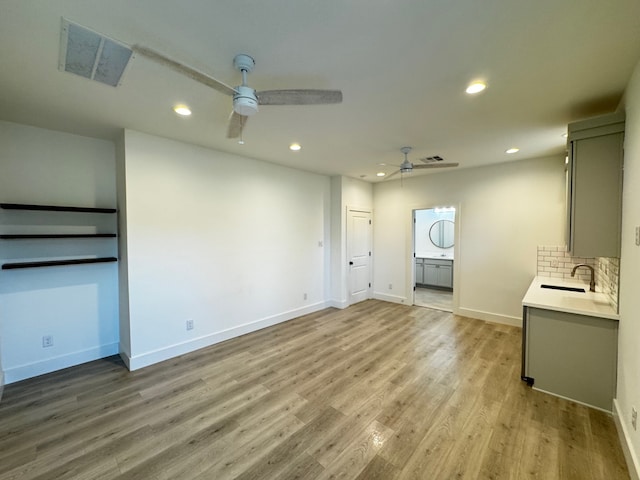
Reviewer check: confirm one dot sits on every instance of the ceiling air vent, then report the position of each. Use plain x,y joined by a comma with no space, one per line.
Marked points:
435,158
91,55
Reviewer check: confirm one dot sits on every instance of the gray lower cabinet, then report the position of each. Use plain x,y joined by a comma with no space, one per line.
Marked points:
419,271
434,272
572,356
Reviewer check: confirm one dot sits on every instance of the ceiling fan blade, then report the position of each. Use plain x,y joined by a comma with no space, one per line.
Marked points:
436,165
236,124
184,70
299,97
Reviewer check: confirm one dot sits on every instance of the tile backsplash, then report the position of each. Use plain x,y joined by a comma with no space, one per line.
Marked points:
556,262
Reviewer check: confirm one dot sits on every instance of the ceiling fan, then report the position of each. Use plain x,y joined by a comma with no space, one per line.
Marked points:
245,98
435,161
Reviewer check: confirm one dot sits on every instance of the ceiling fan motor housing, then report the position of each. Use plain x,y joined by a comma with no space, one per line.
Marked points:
406,167
245,101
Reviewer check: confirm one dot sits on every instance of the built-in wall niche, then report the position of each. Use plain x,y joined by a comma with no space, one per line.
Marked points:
434,232
36,236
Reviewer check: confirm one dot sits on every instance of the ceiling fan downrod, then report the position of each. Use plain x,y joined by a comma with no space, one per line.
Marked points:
245,101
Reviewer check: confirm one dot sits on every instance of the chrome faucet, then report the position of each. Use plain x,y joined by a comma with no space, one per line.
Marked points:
592,283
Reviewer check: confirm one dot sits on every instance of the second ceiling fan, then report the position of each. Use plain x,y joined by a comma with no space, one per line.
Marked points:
435,161
245,98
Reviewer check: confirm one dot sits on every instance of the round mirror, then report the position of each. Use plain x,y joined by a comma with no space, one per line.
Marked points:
441,234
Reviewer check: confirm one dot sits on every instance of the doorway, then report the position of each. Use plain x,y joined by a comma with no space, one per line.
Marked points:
433,257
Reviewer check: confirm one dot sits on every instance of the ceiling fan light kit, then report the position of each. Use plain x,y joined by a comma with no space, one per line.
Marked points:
245,101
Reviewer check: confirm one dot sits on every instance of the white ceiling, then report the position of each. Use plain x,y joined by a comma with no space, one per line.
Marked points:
402,65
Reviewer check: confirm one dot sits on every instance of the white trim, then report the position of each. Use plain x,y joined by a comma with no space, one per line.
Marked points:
49,365
457,251
625,442
341,304
490,317
390,298
136,362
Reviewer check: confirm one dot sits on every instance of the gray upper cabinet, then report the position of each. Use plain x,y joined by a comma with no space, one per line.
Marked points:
594,186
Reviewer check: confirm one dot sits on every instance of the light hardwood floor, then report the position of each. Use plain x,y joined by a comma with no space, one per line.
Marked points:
376,391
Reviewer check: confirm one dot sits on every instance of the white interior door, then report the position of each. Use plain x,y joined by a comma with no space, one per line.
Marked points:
359,255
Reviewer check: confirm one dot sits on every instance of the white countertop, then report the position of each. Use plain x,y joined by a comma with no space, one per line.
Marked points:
436,256
594,304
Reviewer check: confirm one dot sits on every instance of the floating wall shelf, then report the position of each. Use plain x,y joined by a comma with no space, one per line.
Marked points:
56,235
56,263
54,208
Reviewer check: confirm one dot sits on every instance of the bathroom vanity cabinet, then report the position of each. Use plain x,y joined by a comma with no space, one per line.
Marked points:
434,272
594,186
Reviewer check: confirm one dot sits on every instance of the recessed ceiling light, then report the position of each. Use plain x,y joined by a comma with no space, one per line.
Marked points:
294,147
476,87
380,174
512,150
182,110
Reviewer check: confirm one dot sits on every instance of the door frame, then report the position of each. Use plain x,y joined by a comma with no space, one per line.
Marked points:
411,267
368,211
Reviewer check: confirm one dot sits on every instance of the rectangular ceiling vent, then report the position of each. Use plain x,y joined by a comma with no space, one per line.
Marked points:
91,55
434,158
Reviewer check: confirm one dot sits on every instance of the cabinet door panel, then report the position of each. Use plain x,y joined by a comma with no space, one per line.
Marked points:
419,272
445,277
431,274
596,196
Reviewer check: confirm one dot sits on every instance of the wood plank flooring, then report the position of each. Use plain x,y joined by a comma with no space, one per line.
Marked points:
376,391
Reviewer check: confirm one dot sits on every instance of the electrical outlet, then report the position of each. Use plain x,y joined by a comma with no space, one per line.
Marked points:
554,263
190,324
305,296
47,341
391,286
634,417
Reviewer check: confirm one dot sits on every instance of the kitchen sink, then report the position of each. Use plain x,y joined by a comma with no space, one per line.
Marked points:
566,289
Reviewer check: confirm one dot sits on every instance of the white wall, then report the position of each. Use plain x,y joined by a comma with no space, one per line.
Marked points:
628,390
503,212
231,243
77,305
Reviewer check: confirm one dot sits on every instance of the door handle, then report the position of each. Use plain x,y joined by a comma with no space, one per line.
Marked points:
350,263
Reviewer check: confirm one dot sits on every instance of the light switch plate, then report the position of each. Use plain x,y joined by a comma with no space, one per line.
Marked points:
638,236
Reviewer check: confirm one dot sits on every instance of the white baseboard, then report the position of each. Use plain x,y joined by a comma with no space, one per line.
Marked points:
136,362
490,317
390,298
15,374
625,441
341,304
